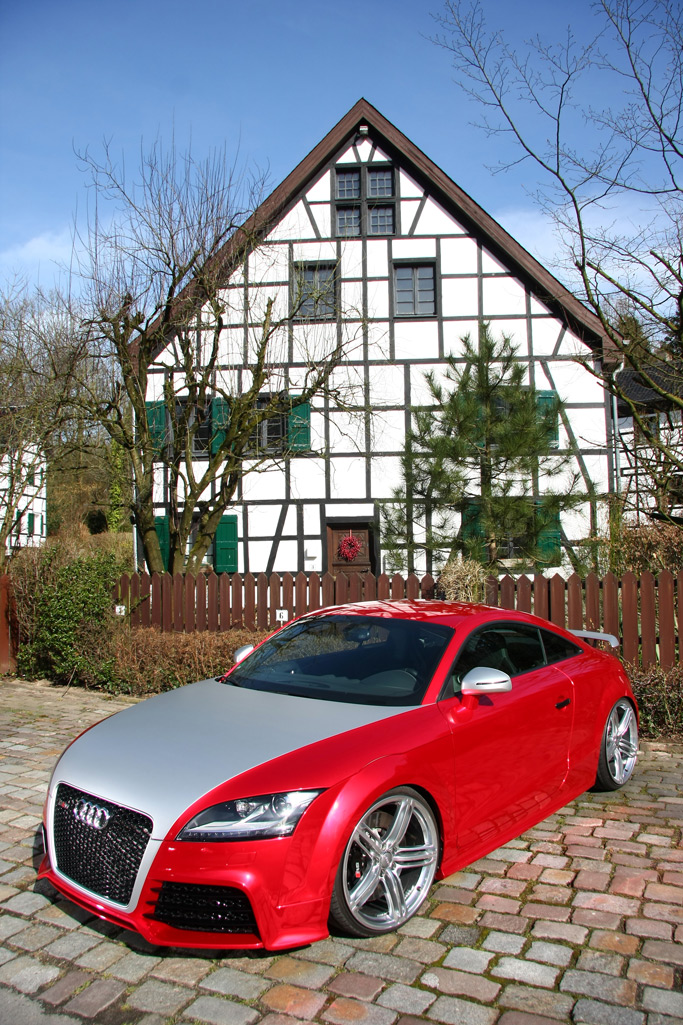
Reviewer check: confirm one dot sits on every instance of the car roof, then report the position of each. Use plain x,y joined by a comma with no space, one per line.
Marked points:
450,613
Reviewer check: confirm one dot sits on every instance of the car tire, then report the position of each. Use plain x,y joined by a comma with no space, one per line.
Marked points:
618,748
388,865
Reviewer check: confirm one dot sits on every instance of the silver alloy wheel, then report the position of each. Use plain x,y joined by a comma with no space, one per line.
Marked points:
621,741
390,861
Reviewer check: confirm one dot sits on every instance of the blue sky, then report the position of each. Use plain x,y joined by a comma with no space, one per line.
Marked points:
268,79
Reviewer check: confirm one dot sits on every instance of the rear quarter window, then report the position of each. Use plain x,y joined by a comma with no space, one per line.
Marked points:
558,648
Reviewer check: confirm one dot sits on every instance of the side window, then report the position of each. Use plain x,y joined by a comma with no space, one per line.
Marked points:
558,648
513,648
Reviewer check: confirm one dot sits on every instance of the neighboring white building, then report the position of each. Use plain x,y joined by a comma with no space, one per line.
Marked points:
23,515
414,264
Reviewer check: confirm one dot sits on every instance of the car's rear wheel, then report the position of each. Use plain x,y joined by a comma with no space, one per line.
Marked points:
619,747
388,865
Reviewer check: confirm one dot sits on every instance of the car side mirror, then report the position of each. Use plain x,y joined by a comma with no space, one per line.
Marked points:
242,652
484,680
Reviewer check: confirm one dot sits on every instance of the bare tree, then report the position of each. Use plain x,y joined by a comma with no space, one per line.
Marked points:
601,169
36,378
164,276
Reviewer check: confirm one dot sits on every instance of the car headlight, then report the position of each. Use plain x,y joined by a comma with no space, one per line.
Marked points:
250,818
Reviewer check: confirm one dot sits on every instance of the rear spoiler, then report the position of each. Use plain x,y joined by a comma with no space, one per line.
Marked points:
595,635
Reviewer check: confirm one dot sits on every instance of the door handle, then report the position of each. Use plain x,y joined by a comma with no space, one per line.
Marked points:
563,704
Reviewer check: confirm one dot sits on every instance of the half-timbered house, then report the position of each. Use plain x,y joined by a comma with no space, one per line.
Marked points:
369,236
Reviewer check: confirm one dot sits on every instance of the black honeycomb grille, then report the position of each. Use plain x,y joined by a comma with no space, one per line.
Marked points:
204,908
104,860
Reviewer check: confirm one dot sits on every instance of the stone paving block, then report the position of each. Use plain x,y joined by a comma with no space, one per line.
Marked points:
187,971
614,941
398,969
595,919
592,1012
159,997
93,1001
550,953
600,961
537,1001
34,937
601,987
651,974
281,1019
648,928
101,957
453,1011
26,903
467,960
72,945
503,887
300,973
465,935
663,1001
293,1001
504,942
531,973
406,999
664,912
422,927
522,1018
356,985
27,974
504,923
658,950
416,949
328,951
575,934
65,987
216,1011
232,983
455,913
133,967
464,984
343,1011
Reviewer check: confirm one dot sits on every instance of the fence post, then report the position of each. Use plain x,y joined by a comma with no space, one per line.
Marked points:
8,633
524,594
667,622
629,613
648,625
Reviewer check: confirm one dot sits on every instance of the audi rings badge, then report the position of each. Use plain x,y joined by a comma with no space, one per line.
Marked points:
93,815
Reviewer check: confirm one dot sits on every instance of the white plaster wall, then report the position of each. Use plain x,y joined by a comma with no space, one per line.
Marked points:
413,248
416,339
408,187
435,221
263,484
307,477
386,386
458,256
348,477
504,296
320,190
377,258
385,472
460,297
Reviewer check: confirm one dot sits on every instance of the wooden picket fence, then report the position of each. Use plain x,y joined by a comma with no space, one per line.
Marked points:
642,611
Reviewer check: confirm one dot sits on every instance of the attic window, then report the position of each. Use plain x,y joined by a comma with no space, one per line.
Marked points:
365,201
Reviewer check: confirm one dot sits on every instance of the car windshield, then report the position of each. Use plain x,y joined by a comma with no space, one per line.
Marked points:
359,659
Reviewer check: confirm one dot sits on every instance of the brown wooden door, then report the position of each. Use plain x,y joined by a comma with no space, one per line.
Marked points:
349,548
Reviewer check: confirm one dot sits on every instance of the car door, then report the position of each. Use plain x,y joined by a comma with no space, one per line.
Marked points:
511,749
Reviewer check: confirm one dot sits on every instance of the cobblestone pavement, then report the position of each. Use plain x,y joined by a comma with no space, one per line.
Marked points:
578,920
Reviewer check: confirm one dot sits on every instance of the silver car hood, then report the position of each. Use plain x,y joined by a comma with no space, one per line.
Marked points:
161,755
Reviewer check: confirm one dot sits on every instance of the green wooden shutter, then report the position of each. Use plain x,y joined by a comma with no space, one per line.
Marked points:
163,529
550,542
156,422
220,418
299,428
31,524
225,545
547,402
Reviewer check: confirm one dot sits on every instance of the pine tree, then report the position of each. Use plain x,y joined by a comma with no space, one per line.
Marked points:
479,464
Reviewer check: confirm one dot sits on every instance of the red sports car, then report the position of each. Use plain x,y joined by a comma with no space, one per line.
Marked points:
333,773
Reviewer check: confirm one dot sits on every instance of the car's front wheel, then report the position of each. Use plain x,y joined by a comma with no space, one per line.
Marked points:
388,865
619,747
